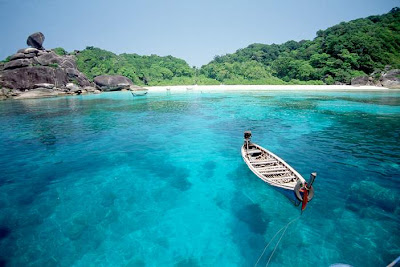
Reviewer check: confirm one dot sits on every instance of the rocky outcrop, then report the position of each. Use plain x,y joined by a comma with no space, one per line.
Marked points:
361,81
389,79
35,68
39,93
36,40
112,82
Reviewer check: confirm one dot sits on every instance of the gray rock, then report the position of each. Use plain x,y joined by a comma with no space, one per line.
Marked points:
5,93
31,68
27,77
391,79
90,89
68,62
48,58
31,50
22,55
17,56
359,81
28,50
112,82
36,40
73,87
72,72
18,63
44,85
37,93
82,80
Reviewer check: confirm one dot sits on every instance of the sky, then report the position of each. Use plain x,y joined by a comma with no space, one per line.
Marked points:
194,30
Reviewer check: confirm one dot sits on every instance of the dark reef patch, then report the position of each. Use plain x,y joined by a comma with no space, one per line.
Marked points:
187,263
4,232
208,169
253,216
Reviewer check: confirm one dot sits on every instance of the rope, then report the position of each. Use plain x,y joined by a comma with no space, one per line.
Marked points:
265,248
268,246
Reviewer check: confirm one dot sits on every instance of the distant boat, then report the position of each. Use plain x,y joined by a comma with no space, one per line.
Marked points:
138,91
276,172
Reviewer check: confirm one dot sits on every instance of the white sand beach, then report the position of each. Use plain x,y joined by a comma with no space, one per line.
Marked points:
267,88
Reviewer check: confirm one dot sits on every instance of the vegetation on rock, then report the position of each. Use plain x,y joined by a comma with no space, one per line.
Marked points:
60,51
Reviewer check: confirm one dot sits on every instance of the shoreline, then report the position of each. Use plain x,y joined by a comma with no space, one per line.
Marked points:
266,88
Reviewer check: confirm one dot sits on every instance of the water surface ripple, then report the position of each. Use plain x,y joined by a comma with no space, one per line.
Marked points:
108,180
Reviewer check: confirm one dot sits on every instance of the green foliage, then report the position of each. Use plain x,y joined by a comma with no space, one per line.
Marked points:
142,70
60,51
53,65
7,59
337,54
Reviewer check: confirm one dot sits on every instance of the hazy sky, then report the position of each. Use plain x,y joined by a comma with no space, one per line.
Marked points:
192,30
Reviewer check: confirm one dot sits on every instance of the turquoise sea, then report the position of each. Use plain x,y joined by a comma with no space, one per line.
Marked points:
109,180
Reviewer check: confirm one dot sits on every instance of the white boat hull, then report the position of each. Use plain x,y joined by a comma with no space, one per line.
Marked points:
139,92
270,168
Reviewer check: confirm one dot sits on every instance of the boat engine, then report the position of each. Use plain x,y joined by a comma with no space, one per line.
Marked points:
305,192
247,138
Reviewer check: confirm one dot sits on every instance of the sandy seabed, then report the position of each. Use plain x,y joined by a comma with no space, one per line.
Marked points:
266,88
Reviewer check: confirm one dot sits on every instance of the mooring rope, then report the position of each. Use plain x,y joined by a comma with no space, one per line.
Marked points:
265,248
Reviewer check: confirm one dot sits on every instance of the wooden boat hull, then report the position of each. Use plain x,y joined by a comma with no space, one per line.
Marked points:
273,170
139,92
276,172
275,165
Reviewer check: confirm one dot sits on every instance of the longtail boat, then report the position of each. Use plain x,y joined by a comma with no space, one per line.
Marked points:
276,172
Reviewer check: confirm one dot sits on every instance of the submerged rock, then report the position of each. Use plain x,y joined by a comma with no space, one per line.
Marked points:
368,193
112,82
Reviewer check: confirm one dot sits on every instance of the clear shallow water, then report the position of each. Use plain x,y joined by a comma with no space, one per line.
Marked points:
106,180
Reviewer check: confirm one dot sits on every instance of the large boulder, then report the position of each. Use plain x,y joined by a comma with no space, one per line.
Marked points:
49,58
22,55
359,81
27,77
391,79
68,62
112,82
17,63
36,40
36,72
30,67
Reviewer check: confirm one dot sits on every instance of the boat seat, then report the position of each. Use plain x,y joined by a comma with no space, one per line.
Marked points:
271,169
277,172
257,162
282,178
253,151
